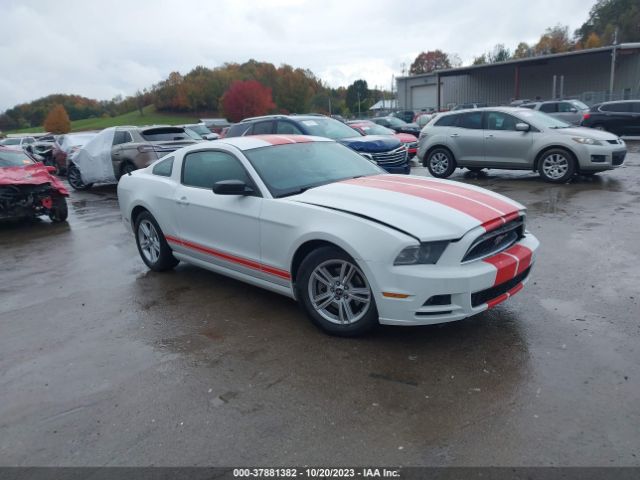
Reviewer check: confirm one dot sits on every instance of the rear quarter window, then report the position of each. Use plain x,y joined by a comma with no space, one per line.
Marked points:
446,121
616,107
164,168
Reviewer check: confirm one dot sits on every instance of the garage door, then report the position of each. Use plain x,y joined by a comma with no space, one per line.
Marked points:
424,96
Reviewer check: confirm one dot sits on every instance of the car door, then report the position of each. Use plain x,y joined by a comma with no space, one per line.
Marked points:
504,146
466,139
222,230
568,112
119,139
617,117
634,128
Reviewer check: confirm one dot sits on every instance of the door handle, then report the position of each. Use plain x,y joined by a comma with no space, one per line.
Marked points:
489,136
117,154
182,201
454,135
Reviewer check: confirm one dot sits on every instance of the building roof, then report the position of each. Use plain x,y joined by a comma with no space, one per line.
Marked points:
523,61
384,105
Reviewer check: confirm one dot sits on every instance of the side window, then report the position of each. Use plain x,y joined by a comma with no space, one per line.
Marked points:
262,128
549,107
566,107
471,120
616,107
500,121
287,128
446,121
120,137
164,168
204,169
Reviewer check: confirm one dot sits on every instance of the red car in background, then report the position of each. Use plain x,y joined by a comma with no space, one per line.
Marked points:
369,128
28,189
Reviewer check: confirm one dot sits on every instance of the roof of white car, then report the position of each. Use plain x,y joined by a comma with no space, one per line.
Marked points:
259,141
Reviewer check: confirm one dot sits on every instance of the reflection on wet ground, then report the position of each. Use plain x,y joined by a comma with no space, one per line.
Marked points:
105,363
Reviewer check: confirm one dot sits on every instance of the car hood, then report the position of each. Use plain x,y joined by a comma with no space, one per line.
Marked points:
406,137
371,143
585,132
34,174
425,208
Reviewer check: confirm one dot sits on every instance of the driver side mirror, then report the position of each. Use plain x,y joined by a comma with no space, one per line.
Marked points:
522,127
232,187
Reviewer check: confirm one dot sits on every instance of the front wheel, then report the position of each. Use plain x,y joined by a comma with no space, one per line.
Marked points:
556,166
152,245
441,163
335,293
75,178
59,211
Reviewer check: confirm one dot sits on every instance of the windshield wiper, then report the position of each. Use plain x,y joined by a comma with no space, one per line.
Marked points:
298,191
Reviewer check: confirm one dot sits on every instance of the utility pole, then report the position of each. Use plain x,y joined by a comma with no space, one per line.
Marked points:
613,63
329,103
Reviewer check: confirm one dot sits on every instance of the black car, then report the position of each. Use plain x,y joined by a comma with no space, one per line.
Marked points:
397,125
621,117
404,115
388,152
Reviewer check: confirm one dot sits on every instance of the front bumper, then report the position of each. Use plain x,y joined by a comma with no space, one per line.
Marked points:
473,287
601,157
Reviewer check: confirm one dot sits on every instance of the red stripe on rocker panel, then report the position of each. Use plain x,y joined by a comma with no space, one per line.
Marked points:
474,209
231,258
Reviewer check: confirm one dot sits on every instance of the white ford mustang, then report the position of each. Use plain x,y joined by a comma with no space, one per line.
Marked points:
311,219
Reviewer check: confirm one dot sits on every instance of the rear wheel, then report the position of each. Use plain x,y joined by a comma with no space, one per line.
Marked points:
556,166
59,211
441,163
152,245
75,178
335,293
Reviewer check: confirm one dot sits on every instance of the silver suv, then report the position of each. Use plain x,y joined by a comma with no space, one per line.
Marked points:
518,139
570,111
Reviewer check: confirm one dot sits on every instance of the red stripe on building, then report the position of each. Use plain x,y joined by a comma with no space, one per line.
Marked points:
230,258
457,202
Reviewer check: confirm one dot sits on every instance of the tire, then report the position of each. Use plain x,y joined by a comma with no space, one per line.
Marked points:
440,163
319,279
152,246
556,166
59,211
75,179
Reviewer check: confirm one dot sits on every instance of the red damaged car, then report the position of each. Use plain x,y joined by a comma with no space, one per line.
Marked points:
27,188
369,128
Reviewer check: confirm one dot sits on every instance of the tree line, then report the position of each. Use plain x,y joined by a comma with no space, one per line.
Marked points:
605,17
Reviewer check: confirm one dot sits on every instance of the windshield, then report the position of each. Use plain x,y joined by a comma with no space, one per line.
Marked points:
293,168
13,159
10,141
396,122
374,129
539,119
329,128
200,129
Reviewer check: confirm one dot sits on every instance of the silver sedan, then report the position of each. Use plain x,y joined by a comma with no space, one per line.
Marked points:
519,139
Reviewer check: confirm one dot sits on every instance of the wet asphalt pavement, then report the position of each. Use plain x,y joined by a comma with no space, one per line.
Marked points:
105,363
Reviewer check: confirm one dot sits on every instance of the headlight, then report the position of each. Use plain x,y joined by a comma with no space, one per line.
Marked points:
586,141
425,253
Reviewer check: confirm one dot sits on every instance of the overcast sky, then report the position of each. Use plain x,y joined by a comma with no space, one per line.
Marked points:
100,49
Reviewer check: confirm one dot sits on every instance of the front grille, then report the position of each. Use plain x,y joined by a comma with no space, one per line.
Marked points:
618,157
392,157
496,240
484,296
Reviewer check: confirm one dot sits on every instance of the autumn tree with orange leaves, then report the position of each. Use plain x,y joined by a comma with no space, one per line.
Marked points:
57,120
248,98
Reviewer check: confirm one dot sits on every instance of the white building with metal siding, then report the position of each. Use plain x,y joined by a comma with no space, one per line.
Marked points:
583,74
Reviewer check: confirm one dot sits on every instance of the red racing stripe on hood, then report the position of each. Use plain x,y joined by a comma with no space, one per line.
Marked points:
479,210
496,203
